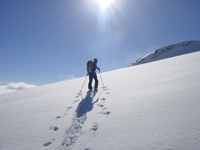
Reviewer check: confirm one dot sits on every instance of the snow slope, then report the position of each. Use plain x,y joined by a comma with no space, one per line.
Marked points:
170,51
154,106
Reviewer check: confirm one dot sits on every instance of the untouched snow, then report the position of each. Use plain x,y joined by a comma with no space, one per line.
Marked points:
154,106
170,51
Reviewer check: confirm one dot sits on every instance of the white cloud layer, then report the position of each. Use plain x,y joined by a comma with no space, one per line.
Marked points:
19,86
67,77
15,87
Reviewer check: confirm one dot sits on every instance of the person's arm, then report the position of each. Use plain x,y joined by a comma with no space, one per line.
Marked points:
95,65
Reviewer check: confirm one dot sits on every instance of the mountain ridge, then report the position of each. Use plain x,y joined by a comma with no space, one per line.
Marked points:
172,50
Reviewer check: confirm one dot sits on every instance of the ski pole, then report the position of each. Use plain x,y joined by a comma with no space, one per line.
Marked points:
101,79
83,83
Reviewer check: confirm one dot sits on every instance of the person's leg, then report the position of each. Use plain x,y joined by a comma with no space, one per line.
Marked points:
96,81
90,81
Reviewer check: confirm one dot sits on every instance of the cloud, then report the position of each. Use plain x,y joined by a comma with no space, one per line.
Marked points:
11,87
19,86
71,77
68,77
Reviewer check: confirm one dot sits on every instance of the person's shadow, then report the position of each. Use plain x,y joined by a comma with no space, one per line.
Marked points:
86,104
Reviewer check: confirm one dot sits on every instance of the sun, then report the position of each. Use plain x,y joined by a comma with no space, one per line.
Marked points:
104,3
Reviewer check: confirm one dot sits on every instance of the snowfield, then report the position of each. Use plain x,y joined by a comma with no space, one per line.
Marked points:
154,106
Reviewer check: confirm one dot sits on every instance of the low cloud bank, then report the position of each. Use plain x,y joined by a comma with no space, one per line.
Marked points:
15,87
19,86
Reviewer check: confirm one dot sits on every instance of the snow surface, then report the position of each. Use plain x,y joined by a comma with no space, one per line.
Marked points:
154,106
170,51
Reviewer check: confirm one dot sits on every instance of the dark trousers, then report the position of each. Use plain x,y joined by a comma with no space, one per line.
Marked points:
91,76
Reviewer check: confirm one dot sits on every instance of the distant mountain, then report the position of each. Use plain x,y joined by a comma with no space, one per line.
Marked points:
170,51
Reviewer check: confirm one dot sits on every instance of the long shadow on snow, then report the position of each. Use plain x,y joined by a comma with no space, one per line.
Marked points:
74,131
86,105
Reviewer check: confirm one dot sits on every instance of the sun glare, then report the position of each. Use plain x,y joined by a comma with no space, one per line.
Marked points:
104,3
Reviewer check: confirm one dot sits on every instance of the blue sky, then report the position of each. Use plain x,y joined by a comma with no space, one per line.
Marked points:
46,41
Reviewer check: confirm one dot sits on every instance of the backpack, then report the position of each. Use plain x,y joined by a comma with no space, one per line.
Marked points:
89,66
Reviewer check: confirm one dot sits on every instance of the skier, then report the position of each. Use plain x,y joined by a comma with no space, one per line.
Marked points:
92,74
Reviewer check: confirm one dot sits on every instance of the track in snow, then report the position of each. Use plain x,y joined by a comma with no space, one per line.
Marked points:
74,131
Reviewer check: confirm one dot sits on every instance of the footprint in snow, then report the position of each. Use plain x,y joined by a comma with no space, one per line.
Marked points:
95,126
47,144
107,113
106,89
78,94
58,117
100,105
76,100
55,128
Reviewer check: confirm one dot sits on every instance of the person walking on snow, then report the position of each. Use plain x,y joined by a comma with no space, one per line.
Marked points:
92,75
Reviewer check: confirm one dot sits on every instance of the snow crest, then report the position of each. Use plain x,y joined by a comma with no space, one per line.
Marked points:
169,51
